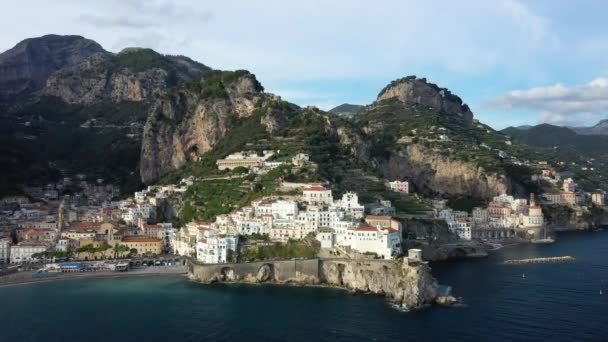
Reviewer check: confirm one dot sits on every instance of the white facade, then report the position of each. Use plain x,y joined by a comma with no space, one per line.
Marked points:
350,204
212,247
62,245
23,252
5,250
461,228
317,195
399,186
365,239
284,209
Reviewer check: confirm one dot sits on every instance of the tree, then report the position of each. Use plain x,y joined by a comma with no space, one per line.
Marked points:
231,256
133,251
103,248
119,250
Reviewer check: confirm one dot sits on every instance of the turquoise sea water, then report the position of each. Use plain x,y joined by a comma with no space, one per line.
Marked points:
553,302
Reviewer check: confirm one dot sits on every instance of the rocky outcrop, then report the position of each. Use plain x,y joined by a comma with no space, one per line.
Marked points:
410,286
412,90
433,173
190,121
132,75
26,67
561,218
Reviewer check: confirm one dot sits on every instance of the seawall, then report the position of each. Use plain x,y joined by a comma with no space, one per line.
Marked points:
408,285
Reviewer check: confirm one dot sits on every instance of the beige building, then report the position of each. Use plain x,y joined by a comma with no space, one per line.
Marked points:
383,222
597,198
144,245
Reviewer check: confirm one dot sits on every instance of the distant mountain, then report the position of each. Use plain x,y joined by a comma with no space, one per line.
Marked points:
601,128
550,136
68,104
26,67
347,110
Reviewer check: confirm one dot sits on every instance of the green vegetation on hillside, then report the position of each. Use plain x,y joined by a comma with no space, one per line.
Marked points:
307,248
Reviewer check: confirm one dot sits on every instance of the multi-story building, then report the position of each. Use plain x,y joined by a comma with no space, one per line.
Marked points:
460,227
5,250
366,239
317,194
399,186
215,248
383,222
23,251
143,244
349,203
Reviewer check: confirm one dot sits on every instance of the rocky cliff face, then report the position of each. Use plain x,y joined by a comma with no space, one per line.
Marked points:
562,218
433,173
190,121
26,67
412,90
408,286
132,75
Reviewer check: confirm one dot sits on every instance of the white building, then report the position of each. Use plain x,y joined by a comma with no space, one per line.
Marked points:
399,186
213,247
367,239
253,226
460,227
62,245
349,203
569,185
5,250
317,194
284,209
23,251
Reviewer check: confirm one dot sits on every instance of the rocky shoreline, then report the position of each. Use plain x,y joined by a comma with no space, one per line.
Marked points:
408,286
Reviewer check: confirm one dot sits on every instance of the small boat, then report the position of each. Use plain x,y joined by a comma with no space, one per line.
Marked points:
523,275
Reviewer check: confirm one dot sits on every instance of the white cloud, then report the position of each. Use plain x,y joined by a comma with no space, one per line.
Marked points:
558,104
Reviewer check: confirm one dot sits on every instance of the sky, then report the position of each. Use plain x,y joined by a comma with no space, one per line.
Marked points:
514,62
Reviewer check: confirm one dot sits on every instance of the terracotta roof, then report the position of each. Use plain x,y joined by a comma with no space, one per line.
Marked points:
315,187
326,230
79,225
535,207
140,239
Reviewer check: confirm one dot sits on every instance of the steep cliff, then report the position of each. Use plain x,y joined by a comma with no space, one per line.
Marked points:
26,67
191,120
434,173
423,133
131,75
412,90
410,286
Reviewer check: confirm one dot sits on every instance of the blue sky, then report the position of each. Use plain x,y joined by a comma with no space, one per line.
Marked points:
514,62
